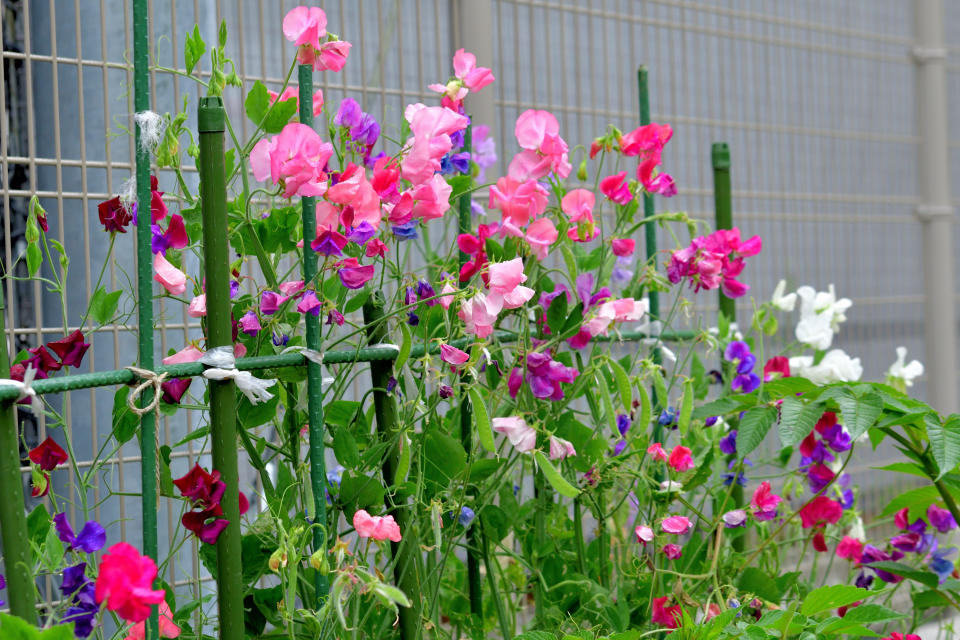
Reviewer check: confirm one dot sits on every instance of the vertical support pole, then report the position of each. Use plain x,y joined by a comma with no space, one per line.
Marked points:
211,121
650,238
473,31
474,584
935,210
406,553
13,521
148,426
318,473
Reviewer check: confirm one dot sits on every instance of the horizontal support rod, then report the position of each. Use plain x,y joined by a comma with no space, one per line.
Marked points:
291,359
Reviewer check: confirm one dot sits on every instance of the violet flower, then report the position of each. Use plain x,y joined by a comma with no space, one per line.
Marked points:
91,538
728,443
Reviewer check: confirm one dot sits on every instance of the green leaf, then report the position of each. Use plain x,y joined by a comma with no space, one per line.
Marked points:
405,347
444,458
554,477
903,467
38,524
196,434
13,628
944,441
125,422
753,428
536,635
574,320
660,389
786,387
831,597
345,448
718,407
481,419
356,301
643,420
34,258
360,492
557,314
253,415
257,103
686,407
392,593
797,420
166,476
929,599
759,583
925,578
916,499
859,413
279,115
865,614
103,305
52,550
193,48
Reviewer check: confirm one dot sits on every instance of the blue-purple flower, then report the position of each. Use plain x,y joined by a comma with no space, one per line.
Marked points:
738,352
91,538
728,443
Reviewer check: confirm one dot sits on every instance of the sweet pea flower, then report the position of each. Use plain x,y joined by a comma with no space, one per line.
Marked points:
115,215
644,534
188,354
70,349
541,234
616,188
478,315
902,374
175,237
375,248
309,303
623,247
781,301
664,615
578,204
538,133
250,323
452,355
355,191
377,527
172,279
518,201
647,142
680,459
125,583
431,128
776,366
168,629
941,519
728,443
714,261
173,389
295,158
352,274
48,455
91,538
677,525
821,314
835,366
305,26
764,502
819,512
484,150
521,436
735,518
293,93
270,302
198,306
672,551
560,448
465,67
850,549
431,198
656,452
896,635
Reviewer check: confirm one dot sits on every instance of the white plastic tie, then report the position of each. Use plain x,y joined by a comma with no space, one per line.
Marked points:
24,390
222,366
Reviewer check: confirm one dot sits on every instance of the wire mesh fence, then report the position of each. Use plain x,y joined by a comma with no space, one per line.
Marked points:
816,99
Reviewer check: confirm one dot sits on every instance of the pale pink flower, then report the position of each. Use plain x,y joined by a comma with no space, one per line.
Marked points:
431,127
518,202
676,524
447,299
431,198
478,315
465,67
644,534
353,189
656,452
331,56
168,629
172,279
540,235
735,518
291,287
623,247
504,277
560,448
305,26
452,355
296,157
578,204
188,354
198,306
544,150
521,436
376,527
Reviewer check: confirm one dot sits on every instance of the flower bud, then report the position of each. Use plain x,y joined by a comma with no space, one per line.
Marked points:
278,559
319,562
582,171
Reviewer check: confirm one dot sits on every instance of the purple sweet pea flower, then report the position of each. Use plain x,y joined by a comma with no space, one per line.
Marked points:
361,233
91,538
250,323
872,554
837,437
406,231
270,301
738,477
280,340
728,443
335,317
234,289
735,518
546,374
425,291
73,578
668,417
863,580
445,391
349,114
366,132
745,382
940,565
619,447
546,299
466,516
712,420
940,519
3,585
623,423
413,319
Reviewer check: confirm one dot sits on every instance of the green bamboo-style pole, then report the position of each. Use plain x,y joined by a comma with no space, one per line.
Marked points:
318,473
723,217
406,553
148,426
13,521
211,120
474,584
650,237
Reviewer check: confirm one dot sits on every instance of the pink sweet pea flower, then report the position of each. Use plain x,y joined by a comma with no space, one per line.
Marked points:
666,616
820,512
309,303
331,56
678,525
616,188
198,306
764,502
644,534
270,302
680,459
735,518
447,299
850,548
646,139
656,452
431,198
623,247
376,527
168,629
291,287
296,158
521,436
305,26
452,355
172,279
431,127
125,582
672,551
293,93
544,150
541,234
188,354
518,202
375,248
560,448
478,315
578,204
465,67
353,189
352,274
504,277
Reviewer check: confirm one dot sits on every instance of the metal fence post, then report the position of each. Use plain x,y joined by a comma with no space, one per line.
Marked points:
211,121
935,210
473,31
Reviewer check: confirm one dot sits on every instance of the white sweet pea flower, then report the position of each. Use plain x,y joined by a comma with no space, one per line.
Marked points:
836,366
820,316
904,374
857,530
783,302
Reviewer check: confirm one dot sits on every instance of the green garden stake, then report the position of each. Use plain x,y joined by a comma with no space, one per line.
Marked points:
148,424
406,553
211,120
474,584
21,589
318,473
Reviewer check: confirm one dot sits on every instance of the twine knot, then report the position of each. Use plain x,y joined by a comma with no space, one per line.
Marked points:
148,379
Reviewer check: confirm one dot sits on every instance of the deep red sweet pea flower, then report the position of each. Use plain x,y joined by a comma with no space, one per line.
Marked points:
827,420
42,360
820,512
71,349
48,455
202,488
174,388
114,215
819,542
776,365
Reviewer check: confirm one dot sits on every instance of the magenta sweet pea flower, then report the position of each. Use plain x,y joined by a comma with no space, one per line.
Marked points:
309,303
452,355
250,323
677,525
270,302
352,274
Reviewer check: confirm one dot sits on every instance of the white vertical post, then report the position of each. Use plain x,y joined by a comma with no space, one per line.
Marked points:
935,210
473,31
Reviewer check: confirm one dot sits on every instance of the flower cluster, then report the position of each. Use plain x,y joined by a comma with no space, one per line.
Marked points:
714,261
75,586
205,491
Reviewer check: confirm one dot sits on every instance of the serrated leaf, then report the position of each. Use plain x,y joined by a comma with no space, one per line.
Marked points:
944,441
193,48
556,480
831,597
481,419
718,407
865,614
797,420
785,387
917,500
859,412
754,427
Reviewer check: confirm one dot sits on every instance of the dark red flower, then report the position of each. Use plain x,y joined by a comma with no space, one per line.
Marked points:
48,455
819,542
200,487
820,512
114,215
174,388
827,420
42,360
70,349
206,524
776,364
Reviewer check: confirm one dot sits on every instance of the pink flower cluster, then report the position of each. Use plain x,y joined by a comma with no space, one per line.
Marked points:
714,261
679,459
306,27
376,527
506,291
647,143
467,77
